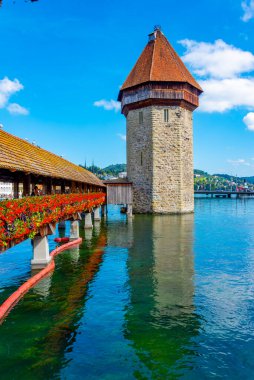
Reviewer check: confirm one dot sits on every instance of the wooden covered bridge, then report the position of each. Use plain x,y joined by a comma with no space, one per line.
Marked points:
67,190
26,165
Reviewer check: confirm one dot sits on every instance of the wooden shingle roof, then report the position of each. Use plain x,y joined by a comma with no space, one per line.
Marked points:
20,155
159,63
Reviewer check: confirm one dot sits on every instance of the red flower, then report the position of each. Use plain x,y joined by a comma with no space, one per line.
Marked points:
22,218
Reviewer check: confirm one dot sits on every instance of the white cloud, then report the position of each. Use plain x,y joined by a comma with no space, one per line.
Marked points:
248,8
239,161
108,104
8,88
249,121
122,137
226,94
16,109
222,69
217,60
3,100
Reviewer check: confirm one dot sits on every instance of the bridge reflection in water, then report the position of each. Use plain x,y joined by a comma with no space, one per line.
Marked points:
120,307
43,326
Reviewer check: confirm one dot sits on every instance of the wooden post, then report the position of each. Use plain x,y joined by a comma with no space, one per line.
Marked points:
48,186
73,187
26,185
16,189
62,188
54,188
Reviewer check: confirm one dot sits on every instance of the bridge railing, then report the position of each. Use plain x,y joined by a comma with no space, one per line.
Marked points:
24,218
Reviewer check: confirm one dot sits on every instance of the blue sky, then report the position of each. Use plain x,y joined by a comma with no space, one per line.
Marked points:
58,58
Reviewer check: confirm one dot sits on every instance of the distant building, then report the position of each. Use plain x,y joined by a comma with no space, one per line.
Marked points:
122,175
109,177
6,189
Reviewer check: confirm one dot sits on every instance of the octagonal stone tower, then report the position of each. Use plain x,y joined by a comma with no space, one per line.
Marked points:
158,98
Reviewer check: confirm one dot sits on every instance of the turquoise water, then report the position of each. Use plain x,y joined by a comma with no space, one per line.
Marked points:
161,297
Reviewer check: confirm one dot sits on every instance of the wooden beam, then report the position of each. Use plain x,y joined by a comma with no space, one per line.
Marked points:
63,187
27,185
16,189
73,187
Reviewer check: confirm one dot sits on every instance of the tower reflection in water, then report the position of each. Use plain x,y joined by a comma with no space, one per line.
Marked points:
160,319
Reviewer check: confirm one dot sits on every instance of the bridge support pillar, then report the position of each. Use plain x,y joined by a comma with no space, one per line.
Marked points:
74,232
129,210
97,215
41,256
88,220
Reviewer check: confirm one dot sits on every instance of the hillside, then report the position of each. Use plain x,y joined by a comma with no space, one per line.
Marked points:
111,170
202,179
241,179
115,169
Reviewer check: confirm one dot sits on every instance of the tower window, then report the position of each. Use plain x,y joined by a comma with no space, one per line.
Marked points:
141,158
166,116
140,115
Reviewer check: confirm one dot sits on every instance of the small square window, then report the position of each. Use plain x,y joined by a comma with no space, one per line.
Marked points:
140,117
166,116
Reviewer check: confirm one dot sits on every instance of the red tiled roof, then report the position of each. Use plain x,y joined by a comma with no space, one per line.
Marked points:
19,155
159,63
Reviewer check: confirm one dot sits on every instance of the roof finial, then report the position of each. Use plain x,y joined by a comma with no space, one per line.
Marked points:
152,36
157,28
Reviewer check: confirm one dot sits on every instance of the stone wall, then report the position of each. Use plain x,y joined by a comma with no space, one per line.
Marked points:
139,148
160,160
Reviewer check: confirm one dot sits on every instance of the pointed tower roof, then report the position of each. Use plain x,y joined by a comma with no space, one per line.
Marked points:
158,63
